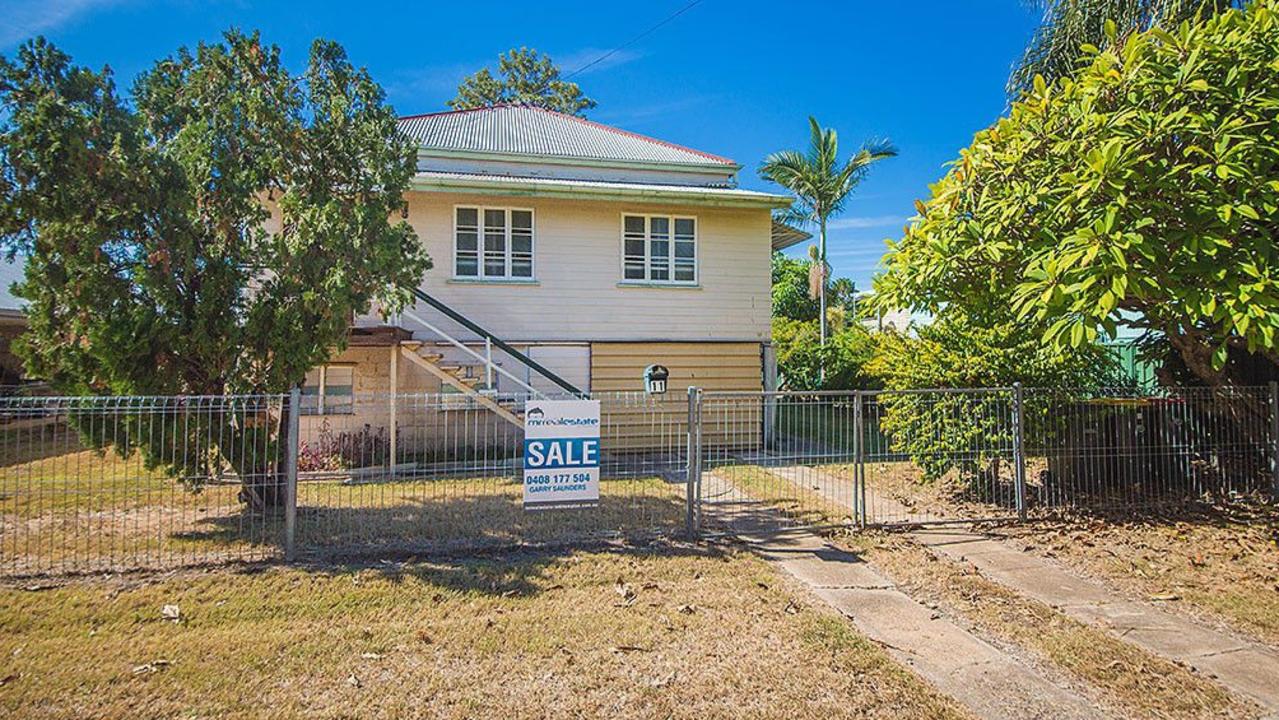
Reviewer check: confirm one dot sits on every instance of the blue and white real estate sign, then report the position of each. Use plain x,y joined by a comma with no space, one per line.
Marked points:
561,453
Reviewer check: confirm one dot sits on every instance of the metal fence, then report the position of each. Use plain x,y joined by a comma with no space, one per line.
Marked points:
108,484
878,458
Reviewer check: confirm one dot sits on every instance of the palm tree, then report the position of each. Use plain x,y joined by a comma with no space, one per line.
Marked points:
821,186
1054,51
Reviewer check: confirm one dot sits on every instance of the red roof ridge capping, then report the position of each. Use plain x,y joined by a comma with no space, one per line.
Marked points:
609,128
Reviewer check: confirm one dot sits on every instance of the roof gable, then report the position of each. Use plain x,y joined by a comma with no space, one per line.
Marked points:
520,130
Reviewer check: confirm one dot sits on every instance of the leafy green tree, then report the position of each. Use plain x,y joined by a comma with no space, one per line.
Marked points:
212,234
1069,25
840,364
1144,191
792,292
525,77
822,186
971,432
791,296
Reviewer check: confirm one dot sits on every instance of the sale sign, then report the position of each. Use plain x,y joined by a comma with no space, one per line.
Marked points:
561,453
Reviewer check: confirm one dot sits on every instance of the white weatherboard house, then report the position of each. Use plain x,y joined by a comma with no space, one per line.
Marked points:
573,255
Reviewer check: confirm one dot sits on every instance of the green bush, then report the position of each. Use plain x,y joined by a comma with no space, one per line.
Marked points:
800,356
971,432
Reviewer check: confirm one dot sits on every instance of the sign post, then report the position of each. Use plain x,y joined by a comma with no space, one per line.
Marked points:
561,454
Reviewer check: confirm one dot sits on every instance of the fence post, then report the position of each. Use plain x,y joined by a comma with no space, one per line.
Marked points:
1019,452
859,459
291,474
1274,441
693,465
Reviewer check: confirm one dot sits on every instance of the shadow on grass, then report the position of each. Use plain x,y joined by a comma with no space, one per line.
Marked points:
519,572
1256,510
441,530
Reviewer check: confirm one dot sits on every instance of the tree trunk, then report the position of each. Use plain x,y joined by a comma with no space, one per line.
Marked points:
264,477
821,290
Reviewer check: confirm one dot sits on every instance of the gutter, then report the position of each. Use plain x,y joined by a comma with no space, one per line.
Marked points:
566,189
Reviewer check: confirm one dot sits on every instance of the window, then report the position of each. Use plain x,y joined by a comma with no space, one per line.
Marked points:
493,243
327,390
660,249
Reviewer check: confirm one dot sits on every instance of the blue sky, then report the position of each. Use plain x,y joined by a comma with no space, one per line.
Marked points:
732,77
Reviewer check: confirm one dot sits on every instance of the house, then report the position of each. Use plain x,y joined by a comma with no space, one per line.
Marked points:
569,255
13,322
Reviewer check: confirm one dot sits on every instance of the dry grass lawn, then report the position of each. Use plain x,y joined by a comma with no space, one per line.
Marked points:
1219,565
670,631
1131,681
85,511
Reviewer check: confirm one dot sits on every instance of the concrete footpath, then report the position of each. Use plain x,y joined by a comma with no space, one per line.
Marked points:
1245,667
988,681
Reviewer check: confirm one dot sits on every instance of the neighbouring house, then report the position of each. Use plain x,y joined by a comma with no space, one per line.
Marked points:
13,322
569,255
896,320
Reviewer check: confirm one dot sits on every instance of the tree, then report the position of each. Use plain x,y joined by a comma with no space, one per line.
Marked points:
822,186
840,364
212,236
793,296
1144,191
970,431
1068,25
526,78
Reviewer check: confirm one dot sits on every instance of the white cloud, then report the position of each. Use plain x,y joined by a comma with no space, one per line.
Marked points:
24,19
638,115
570,62
422,89
866,221
864,253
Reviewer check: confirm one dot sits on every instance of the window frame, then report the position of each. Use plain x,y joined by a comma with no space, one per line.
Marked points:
321,404
508,255
648,249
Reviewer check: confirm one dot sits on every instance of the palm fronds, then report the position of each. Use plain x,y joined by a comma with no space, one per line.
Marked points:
1067,25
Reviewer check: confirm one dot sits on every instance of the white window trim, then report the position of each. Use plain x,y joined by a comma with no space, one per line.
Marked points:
481,275
672,282
321,397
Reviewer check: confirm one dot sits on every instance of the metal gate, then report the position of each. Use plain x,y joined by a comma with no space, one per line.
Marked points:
855,458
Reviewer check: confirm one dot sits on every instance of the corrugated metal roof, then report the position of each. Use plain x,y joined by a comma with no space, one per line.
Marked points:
524,130
785,236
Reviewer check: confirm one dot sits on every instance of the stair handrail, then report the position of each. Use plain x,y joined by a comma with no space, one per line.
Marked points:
489,337
488,361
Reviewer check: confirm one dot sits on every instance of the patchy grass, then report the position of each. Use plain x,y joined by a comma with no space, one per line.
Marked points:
658,633
407,515
810,504
86,511
475,511
1220,564
1136,683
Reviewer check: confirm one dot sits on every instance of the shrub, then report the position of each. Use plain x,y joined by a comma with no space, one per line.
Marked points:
800,356
971,432
365,447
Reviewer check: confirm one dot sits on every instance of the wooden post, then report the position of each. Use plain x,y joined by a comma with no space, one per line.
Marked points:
395,392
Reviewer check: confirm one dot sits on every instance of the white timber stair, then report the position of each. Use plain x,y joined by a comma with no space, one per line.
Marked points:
452,375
